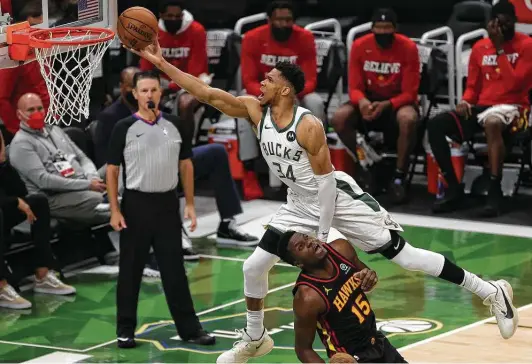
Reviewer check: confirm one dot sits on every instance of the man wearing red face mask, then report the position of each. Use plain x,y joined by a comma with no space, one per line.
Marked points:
23,79
49,162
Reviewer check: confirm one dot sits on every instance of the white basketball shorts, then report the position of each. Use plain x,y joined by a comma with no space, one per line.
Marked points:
357,216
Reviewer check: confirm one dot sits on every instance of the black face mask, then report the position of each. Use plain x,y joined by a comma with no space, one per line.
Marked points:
281,34
131,99
385,40
508,32
173,26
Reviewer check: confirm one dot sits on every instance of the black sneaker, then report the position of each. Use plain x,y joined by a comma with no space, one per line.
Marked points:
126,342
452,200
494,201
230,233
202,338
190,255
397,190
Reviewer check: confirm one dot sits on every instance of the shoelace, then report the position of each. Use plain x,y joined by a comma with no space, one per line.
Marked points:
237,343
53,279
500,309
11,291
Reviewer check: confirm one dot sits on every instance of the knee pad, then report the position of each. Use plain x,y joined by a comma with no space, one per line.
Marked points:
256,269
416,259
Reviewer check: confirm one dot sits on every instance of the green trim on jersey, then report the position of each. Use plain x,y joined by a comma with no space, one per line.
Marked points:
286,127
365,197
261,122
297,123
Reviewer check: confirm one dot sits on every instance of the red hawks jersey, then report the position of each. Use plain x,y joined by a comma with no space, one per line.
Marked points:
500,79
186,50
384,74
260,53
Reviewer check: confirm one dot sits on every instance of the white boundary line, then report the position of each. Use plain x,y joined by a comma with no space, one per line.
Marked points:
199,314
455,331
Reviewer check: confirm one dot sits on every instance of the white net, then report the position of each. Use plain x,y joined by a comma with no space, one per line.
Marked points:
68,69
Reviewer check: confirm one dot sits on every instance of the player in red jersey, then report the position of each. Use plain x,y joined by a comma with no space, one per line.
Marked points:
330,299
183,41
383,85
281,40
495,100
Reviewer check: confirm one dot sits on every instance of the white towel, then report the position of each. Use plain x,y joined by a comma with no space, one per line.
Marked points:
506,113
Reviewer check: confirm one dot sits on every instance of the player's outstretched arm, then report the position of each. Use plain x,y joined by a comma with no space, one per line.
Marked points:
308,306
311,136
238,107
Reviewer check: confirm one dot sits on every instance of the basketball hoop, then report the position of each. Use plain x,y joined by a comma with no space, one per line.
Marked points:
68,59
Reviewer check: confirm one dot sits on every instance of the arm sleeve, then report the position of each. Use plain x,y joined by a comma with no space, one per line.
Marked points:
249,65
115,152
8,80
309,64
198,63
356,77
186,136
327,202
517,78
25,160
409,81
472,87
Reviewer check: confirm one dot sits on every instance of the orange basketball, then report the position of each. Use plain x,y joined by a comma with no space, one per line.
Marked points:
342,358
137,27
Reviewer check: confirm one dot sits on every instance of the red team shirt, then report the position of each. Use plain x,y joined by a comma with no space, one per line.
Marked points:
384,74
260,53
504,79
186,50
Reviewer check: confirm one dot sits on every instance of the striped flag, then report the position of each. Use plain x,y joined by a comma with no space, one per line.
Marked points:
88,9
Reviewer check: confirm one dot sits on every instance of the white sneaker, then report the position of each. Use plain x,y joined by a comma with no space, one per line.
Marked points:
245,349
502,307
50,284
151,273
9,298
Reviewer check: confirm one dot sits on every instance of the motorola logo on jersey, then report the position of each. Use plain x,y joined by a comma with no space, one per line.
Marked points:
382,67
491,60
272,60
291,136
276,149
181,52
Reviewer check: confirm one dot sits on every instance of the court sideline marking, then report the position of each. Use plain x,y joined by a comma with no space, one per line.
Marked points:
456,331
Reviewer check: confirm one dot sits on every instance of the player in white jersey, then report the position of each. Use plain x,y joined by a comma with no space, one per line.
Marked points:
294,144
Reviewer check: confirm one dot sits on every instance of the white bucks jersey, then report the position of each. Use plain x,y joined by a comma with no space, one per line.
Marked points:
285,157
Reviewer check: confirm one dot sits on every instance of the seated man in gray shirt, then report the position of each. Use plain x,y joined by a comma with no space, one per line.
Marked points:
49,162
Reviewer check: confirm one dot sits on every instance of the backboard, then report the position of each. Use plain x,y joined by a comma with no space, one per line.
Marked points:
56,13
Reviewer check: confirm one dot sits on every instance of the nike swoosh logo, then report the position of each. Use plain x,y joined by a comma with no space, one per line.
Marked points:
397,246
139,135
509,311
271,127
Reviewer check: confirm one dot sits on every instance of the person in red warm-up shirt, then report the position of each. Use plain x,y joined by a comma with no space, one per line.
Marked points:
184,44
495,101
281,40
384,79
20,80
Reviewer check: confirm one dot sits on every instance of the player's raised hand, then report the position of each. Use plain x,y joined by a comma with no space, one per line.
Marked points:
151,53
368,279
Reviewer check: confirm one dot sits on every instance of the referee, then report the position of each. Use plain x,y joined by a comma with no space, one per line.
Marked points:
154,151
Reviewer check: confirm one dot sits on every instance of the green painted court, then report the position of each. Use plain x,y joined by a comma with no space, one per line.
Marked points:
410,307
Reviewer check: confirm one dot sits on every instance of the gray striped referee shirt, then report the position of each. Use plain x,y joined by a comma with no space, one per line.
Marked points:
149,153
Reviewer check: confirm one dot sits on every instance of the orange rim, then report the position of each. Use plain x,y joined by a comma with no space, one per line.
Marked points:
46,38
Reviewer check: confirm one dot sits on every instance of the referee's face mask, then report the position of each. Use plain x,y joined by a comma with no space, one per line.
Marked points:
146,90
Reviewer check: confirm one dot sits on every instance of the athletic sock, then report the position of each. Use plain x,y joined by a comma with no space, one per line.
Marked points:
255,324
477,285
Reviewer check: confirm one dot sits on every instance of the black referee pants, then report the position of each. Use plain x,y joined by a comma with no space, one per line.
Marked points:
153,219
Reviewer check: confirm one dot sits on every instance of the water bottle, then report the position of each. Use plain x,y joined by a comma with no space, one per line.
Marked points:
441,187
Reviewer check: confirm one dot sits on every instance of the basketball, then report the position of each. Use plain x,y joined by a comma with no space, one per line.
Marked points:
137,27
342,358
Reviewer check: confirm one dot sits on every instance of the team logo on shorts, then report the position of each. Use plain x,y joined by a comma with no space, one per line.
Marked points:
291,136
